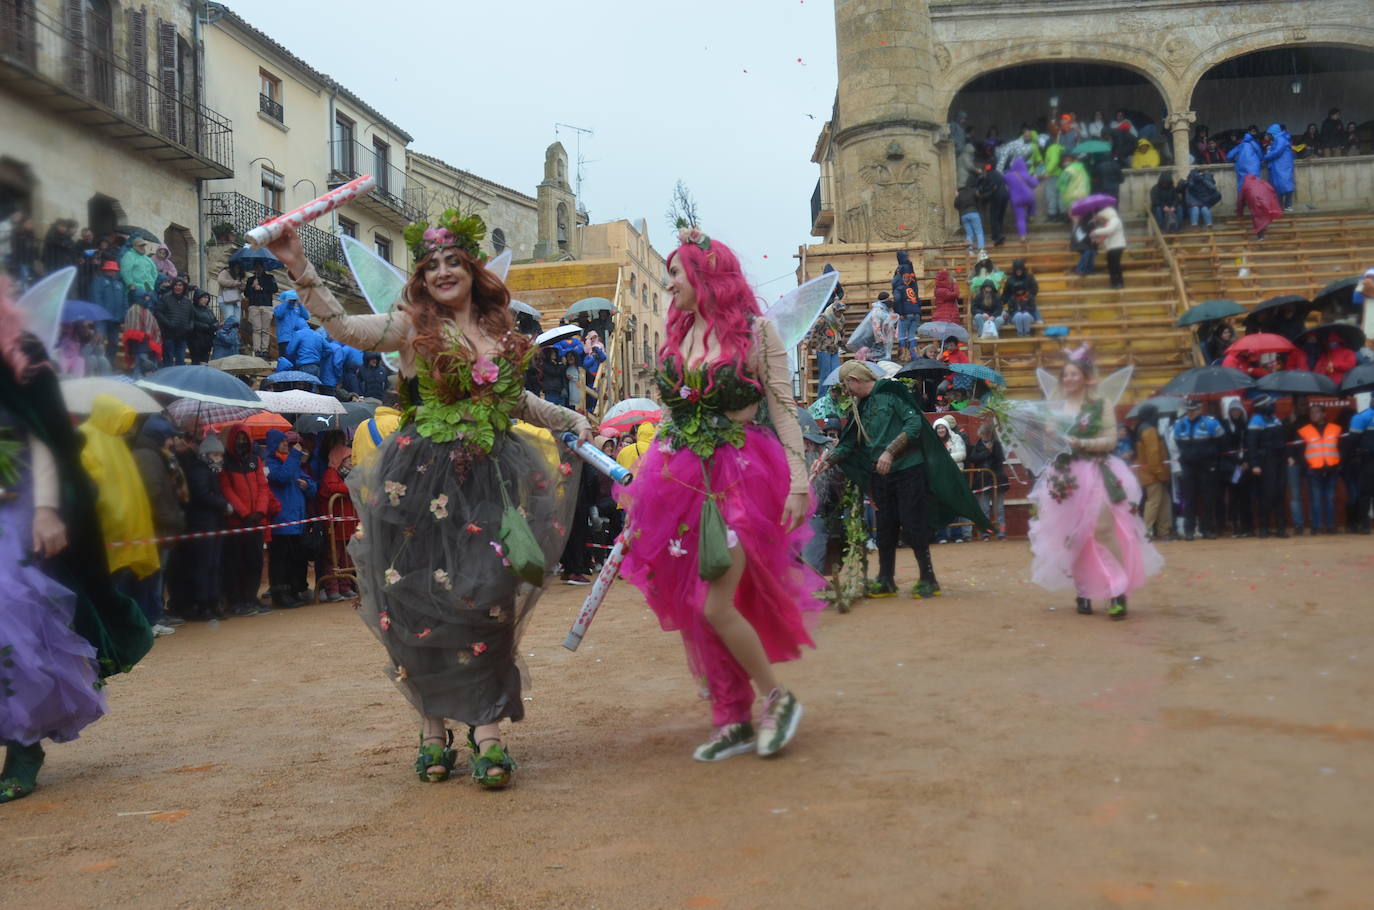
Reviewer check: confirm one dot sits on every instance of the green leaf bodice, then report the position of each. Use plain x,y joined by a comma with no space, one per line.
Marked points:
470,398
699,402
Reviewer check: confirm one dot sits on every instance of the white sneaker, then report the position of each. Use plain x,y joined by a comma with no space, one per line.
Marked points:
160,630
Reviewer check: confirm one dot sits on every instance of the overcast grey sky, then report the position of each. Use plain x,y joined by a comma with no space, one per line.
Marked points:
713,92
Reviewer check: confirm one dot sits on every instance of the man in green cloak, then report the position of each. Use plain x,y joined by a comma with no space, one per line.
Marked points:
914,484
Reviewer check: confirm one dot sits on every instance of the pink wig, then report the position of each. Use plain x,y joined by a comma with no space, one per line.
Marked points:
12,322
724,300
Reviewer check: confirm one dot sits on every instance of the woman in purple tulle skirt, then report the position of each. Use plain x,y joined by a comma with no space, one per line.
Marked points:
717,513
62,627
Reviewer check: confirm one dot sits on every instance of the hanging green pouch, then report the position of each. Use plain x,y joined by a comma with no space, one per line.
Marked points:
518,542
713,546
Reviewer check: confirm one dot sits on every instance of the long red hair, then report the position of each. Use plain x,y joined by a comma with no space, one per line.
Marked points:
724,300
490,301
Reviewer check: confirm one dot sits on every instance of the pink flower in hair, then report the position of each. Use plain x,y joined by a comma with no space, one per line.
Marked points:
438,238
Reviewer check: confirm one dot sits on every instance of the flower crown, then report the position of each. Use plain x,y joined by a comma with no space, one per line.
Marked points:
690,234
453,229
1081,356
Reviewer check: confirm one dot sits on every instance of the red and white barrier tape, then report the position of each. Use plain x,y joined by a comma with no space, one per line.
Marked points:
200,535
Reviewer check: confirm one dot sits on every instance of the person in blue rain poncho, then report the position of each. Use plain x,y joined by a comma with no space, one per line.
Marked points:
1279,160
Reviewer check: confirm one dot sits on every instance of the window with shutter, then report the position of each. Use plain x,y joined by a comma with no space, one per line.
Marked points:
138,63
17,30
167,78
74,18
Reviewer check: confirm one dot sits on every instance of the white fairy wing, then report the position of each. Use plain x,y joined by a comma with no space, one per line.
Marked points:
1030,431
1049,383
380,281
1111,388
500,265
42,305
795,312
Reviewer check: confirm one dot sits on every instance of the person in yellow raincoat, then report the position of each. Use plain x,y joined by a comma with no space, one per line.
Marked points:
121,502
1146,155
644,437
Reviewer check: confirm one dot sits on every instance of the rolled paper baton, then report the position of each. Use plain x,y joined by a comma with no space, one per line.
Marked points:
265,233
598,459
604,579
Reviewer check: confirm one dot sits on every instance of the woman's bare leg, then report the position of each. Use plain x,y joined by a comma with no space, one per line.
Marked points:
734,630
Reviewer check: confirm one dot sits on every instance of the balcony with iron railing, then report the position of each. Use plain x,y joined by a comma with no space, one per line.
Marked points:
246,213
392,198
822,213
271,108
70,75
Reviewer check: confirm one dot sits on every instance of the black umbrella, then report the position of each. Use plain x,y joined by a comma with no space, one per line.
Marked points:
921,368
1268,309
1360,379
1297,382
1207,381
1210,311
132,232
316,423
250,258
1338,295
355,414
1351,336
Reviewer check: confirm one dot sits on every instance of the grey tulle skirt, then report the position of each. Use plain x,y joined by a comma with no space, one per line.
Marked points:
435,590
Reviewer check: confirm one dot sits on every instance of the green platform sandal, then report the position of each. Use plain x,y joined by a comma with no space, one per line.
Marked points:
495,758
436,759
19,777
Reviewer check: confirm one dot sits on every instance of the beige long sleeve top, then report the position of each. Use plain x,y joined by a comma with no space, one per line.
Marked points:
768,361
44,467
393,332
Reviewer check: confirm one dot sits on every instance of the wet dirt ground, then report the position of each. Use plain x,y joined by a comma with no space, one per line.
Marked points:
986,749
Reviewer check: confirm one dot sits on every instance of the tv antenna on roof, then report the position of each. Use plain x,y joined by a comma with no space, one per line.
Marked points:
580,160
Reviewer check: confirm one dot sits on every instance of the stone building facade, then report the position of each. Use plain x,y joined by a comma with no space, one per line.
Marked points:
105,119
886,162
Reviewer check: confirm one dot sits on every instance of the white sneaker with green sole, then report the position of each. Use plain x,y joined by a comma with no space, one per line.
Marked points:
781,714
729,740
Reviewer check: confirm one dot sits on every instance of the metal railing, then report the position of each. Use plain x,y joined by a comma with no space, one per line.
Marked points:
350,159
34,47
271,108
245,213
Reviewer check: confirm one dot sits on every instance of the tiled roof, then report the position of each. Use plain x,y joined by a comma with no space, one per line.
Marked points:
431,159
328,81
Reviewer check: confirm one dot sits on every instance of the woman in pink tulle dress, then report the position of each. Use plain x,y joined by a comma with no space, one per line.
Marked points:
1086,533
717,512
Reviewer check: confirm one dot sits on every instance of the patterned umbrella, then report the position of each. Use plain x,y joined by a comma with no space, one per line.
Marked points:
299,402
978,371
623,416
189,415
285,376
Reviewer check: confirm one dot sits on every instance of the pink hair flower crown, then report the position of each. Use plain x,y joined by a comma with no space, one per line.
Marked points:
691,235
451,229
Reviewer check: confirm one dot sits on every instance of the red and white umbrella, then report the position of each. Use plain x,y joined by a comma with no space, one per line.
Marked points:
624,416
297,401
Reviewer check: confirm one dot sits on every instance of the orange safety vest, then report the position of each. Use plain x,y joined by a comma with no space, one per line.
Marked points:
1321,447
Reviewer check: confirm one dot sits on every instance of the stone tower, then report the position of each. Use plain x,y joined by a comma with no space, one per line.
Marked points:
557,206
885,129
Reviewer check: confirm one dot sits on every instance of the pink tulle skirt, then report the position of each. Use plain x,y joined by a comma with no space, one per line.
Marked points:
1067,550
777,594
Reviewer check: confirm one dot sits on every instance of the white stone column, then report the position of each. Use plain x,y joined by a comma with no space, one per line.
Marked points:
1180,125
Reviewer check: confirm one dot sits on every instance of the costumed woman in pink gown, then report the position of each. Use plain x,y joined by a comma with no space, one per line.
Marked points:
1086,533
717,513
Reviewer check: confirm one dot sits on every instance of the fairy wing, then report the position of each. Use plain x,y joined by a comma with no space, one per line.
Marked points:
795,312
42,305
1111,388
500,266
1049,383
380,281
